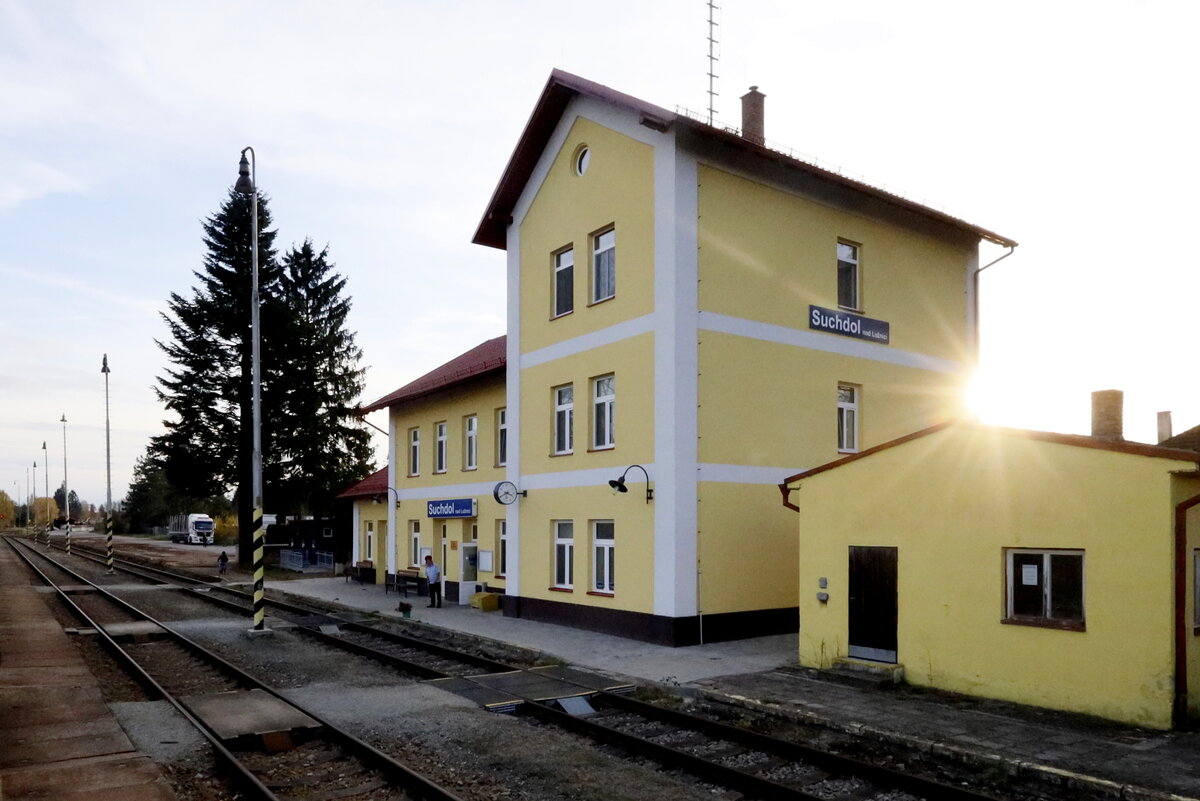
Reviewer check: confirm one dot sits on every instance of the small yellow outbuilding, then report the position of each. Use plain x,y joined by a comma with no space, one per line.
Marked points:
1045,569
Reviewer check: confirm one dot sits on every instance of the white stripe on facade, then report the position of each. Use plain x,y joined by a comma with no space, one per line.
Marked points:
428,493
744,474
590,477
829,343
391,482
592,339
676,389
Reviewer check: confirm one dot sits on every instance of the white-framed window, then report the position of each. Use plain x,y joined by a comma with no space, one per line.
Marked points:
501,437
603,555
564,554
471,442
414,452
604,265
502,547
604,400
564,419
848,276
583,157
439,453
414,536
370,540
564,282
847,418
1045,587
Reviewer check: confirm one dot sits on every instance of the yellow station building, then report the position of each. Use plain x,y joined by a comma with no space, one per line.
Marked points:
696,314
1044,569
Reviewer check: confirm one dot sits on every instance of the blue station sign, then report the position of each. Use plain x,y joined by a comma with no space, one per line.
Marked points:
849,325
452,507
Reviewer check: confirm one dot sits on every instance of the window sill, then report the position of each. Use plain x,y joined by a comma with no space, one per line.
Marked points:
554,317
469,469
439,472
602,594
1044,623
598,301
498,576
561,589
599,448
850,309
847,451
564,453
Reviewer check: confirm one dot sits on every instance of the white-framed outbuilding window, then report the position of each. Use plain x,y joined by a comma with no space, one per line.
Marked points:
414,452
471,442
370,540
564,419
564,282
564,554
604,265
1045,587
502,547
603,555
847,418
439,453
501,437
848,276
604,401
414,537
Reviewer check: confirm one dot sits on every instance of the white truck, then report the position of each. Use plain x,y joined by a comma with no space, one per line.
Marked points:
194,529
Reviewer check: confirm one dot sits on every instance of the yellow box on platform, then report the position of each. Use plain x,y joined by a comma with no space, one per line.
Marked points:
485,601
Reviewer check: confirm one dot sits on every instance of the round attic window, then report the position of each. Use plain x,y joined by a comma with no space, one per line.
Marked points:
583,156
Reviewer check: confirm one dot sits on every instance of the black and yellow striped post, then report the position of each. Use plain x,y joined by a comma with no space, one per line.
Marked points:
257,527
246,186
108,527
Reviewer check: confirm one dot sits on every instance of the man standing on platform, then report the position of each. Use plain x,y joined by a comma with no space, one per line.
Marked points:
433,575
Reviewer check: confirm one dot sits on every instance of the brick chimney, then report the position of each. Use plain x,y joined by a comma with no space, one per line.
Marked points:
1164,426
1107,414
753,124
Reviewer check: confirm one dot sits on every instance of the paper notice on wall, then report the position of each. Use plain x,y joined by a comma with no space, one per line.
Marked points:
1029,575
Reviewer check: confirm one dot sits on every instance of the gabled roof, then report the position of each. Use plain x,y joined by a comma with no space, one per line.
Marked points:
481,360
1076,440
374,484
562,87
1188,440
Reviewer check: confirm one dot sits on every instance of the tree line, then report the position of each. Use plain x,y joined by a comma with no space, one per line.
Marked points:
313,443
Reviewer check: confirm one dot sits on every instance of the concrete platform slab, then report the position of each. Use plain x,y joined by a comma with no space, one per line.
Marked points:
245,713
127,777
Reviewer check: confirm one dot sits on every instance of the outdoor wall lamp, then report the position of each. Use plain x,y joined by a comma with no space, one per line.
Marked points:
619,483
381,498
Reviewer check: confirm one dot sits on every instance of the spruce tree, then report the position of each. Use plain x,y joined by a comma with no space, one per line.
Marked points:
207,447
320,444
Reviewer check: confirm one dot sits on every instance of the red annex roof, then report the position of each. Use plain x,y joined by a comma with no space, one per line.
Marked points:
562,87
374,484
481,360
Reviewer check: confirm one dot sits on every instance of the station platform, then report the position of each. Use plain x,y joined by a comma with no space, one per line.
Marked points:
1087,755
60,740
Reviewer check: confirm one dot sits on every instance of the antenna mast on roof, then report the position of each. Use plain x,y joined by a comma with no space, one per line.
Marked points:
712,59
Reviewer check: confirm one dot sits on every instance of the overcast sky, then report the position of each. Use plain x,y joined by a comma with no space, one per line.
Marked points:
381,129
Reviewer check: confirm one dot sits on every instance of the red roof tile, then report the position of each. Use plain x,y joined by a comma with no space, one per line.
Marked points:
374,484
481,360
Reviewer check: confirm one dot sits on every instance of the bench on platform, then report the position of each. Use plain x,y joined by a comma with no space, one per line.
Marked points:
402,580
362,572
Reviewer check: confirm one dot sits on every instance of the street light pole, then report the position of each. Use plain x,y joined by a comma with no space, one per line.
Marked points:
66,486
108,516
246,185
33,493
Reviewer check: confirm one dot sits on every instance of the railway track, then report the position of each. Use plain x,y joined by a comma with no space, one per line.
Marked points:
307,759
755,765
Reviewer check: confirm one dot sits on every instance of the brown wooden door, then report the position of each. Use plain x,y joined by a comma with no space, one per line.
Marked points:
873,603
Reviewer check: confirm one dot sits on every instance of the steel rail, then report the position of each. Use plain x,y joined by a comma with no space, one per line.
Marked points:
408,779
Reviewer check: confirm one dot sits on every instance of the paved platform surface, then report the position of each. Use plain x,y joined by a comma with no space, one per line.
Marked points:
58,739
1092,755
